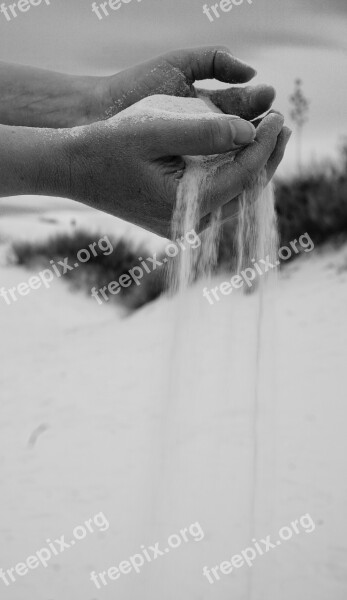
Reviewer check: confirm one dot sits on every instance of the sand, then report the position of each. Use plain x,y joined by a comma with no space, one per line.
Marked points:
97,383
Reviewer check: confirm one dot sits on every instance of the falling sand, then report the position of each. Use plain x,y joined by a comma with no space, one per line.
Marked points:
257,228
256,238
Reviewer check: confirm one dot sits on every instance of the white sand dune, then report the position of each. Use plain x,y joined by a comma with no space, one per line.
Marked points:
150,420
37,217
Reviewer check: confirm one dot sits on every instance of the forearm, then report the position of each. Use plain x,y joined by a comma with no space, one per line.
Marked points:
35,161
33,97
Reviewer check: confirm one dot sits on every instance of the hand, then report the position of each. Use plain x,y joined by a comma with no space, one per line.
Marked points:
130,165
248,164
174,74
31,97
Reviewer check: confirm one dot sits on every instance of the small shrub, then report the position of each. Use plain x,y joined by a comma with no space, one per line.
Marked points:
99,271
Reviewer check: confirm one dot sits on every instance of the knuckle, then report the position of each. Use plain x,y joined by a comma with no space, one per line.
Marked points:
218,136
223,48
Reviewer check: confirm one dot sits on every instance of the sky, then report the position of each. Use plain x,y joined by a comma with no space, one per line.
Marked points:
282,39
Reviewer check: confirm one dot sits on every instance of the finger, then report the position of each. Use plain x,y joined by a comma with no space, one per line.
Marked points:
278,154
231,208
256,122
206,135
248,102
214,62
250,161
242,172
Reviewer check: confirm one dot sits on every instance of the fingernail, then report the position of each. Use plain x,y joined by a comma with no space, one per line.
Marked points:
244,131
276,117
275,112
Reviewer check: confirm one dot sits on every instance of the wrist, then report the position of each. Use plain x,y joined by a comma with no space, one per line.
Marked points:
80,146
34,161
91,101
31,97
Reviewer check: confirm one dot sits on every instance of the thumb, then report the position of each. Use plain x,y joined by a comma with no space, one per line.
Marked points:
211,62
200,136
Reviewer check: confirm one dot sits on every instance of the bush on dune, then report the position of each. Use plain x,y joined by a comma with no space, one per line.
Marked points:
99,271
316,203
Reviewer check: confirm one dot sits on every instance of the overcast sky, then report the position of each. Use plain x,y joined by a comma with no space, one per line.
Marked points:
283,39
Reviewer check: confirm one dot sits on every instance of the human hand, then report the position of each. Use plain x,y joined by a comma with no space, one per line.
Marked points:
174,74
31,97
249,164
130,166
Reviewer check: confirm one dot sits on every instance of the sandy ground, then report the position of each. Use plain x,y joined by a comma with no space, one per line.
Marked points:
151,420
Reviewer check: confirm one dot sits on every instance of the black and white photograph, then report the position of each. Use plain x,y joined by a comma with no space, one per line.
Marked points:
173,300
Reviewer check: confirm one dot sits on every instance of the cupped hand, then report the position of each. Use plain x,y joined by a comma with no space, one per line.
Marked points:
175,73
130,165
264,154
